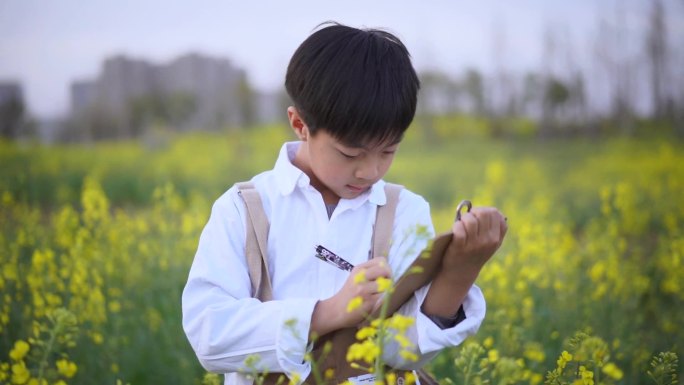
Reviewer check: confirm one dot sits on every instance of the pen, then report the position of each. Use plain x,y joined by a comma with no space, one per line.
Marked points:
332,258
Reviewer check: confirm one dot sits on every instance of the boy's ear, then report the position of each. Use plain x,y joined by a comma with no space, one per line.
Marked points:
298,126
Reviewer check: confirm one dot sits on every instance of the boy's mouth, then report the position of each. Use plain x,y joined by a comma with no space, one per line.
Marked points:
357,188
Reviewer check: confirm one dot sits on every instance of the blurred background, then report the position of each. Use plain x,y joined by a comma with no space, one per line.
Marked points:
122,122
77,72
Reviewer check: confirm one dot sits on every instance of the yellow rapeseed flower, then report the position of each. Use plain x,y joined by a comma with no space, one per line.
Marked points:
410,378
114,306
384,284
366,351
20,373
536,378
613,371
587,376
493,355
534,353
403,341
19,351
564,358
354,304
360,277
400,323
97,338
366,332
295,379
488,342
408,356
391,378
66,368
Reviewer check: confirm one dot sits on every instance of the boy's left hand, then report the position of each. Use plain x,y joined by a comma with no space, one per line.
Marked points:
476,237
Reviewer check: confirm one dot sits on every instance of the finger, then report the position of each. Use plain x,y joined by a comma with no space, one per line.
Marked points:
484,220
459,237
471,226
358,274
379,270
376,261
367,290
371,289
362,269
380,261
503,226
494,220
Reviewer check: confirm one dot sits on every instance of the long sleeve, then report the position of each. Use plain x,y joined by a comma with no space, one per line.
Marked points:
222,322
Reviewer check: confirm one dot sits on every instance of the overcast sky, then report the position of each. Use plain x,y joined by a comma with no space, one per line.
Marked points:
47,44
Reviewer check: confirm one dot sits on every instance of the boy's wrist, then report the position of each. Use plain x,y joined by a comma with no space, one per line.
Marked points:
459,271
448,290
326,318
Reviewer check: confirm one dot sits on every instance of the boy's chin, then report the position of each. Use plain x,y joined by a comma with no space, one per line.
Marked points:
350,192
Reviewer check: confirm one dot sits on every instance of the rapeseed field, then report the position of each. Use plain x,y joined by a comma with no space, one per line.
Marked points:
588,288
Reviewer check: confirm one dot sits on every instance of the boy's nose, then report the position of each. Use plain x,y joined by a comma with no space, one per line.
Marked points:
367,170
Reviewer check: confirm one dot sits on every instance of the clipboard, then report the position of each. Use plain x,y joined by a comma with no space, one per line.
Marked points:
421,271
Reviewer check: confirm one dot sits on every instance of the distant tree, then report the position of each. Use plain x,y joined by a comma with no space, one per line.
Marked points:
503,99
178,107
620,69
425,109
171,110
439,93
532,95
657,55
247,102
473,86
579,105
12,114
556,96
91,124
547,88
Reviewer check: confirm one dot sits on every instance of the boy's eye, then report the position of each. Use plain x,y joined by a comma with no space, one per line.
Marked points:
348,156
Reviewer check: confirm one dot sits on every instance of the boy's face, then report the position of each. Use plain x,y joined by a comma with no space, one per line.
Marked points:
337,170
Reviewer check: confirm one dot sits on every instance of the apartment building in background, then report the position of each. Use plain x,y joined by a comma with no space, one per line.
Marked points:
212,93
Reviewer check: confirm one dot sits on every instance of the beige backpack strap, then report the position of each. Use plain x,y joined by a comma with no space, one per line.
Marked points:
256,243
384,221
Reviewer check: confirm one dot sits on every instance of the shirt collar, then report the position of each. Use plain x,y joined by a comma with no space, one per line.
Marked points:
288,176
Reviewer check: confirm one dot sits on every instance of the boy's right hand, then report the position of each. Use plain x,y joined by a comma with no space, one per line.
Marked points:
361,289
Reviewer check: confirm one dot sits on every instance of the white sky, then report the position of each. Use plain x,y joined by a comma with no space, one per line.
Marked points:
47,44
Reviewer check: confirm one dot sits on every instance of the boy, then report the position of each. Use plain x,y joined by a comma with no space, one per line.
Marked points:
354,94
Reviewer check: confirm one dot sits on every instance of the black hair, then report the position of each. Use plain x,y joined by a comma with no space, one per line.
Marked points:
357,84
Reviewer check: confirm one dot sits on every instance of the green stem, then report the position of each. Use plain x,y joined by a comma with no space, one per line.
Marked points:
379,364
469,369
596,374
316,372
48,349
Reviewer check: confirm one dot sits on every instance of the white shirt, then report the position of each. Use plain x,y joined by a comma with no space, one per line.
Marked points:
225,325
